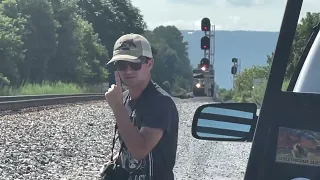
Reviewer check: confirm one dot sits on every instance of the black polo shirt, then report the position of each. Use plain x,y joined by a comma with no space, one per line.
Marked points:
156,109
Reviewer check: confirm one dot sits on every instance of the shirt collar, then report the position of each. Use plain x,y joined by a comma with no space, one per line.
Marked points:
146,91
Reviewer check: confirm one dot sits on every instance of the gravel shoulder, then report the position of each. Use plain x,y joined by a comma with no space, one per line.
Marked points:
73,141
207,160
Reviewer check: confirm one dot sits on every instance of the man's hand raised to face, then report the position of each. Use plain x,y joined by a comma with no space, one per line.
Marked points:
114,94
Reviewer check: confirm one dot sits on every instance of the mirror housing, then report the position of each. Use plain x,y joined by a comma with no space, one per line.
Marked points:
225,122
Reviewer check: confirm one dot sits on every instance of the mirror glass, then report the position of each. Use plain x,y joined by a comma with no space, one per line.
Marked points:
215,122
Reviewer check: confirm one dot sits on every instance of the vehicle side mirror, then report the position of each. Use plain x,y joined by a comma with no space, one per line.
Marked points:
225,122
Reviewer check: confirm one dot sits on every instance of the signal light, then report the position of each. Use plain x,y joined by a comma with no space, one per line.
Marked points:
234,70
205,24
234,60
205,43
204,64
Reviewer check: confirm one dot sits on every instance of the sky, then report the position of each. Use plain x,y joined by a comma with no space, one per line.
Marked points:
254,15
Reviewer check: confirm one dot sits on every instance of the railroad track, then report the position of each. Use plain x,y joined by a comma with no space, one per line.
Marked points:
19,102
27,101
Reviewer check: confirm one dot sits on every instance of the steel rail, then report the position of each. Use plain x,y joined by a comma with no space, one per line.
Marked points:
20,102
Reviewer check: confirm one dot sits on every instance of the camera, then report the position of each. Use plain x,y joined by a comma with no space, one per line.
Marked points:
114,172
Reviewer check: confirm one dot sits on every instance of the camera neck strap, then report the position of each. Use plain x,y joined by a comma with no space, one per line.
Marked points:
115,132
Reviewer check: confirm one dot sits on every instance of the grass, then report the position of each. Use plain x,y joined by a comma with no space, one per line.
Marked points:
45,88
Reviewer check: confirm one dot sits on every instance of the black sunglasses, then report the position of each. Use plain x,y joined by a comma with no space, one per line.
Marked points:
122,65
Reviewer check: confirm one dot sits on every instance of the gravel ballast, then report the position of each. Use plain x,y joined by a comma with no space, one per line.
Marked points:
73,141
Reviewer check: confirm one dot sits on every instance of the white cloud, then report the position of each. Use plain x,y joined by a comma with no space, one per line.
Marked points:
225,16
234,19
193,2
181,24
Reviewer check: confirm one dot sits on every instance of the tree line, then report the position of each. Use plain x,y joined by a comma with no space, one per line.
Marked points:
245,91
71,41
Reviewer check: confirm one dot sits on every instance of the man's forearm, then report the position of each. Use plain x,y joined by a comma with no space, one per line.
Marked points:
134,140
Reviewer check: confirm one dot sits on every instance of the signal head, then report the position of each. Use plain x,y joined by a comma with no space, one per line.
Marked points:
204,64
205,43
205,24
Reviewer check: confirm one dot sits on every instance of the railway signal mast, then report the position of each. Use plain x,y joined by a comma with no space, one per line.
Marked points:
204,73
235,69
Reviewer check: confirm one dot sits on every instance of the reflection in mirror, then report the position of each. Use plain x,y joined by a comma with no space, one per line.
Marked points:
222,123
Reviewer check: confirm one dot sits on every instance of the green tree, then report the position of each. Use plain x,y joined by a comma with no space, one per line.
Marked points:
80,55
257,93
71,40
41,41
303,32
12,34
48,40
112,19
94,53
225,95
244,90
175,56
244,81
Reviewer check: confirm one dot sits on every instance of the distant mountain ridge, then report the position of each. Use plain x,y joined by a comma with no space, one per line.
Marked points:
252,47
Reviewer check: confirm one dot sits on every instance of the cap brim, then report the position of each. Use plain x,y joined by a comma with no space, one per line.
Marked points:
124,58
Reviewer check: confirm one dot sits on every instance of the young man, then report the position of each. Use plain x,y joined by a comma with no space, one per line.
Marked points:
148,120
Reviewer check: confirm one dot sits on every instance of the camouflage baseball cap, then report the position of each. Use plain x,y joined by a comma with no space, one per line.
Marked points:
130,47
